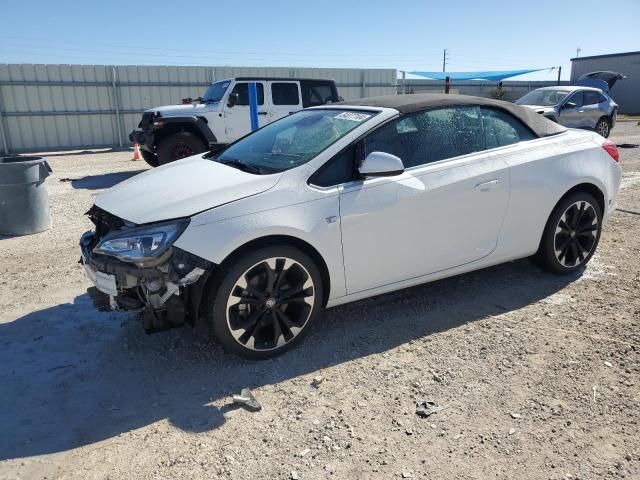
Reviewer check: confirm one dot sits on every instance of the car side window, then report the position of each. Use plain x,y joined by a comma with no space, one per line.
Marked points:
285,94
577,98
315,93
340,169
502,128
429,136
242,89
591,98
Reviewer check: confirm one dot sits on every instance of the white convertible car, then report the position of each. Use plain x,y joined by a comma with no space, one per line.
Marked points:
337,203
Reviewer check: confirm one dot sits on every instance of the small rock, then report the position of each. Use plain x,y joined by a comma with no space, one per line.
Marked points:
304,452
608,364
512,431
515,415
317,380
406,474
409,431
294,475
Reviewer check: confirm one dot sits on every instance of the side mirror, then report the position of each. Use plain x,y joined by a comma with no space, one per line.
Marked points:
380,164
233,99
569,105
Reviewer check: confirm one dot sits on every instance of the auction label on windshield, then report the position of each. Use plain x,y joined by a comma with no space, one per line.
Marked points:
353,116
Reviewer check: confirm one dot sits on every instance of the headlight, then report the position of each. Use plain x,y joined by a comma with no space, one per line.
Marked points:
141,243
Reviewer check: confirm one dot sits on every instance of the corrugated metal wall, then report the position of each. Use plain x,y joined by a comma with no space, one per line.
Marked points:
50,107
514,89
626,93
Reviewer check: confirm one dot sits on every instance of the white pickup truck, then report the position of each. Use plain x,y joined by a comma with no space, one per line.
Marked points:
221,116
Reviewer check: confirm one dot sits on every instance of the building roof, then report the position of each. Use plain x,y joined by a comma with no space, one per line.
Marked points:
608,55
427,101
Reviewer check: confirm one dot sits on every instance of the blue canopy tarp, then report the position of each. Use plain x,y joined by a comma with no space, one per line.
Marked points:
495,75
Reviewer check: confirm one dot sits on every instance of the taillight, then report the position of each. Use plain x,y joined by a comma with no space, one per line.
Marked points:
611,149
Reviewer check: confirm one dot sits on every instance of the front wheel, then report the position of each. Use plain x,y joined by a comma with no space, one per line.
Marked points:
265,302
603,127
179,145
571,235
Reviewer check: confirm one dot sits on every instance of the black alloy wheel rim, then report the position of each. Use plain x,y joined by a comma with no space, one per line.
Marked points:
181,150
576,234
270,304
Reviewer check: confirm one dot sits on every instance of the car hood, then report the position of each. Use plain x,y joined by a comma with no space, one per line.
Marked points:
189,109
181,189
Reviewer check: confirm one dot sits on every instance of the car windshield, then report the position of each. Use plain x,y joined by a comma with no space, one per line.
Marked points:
216,91
293,140
544,98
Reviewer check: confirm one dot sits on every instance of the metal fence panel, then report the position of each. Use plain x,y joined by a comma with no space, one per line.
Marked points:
51,107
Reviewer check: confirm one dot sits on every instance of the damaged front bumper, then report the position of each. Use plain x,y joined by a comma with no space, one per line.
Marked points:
169,291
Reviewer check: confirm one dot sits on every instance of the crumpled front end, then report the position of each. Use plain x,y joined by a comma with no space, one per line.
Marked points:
167,287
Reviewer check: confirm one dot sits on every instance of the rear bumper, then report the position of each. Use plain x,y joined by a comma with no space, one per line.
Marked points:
169,292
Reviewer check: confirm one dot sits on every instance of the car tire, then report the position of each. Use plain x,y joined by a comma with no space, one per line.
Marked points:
603,127
263,303
571,235
178,145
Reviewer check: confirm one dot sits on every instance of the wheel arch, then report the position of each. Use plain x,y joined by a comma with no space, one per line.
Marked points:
283,239
195,125
587,187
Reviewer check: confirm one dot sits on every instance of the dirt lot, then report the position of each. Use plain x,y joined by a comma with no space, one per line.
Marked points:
540,375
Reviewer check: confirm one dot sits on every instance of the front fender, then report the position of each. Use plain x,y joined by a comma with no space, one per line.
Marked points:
171,123
306,221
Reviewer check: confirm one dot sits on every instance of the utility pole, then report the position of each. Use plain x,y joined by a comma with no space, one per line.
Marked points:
445,57
559,72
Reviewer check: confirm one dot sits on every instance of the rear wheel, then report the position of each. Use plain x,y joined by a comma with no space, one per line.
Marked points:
571,234
178,145
265,302
603,127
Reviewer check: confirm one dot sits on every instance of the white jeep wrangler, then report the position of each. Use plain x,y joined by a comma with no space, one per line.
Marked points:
221,116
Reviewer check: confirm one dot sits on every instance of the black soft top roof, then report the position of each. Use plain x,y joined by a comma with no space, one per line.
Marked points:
428,101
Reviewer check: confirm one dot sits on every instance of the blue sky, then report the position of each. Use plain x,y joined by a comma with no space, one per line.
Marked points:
407,35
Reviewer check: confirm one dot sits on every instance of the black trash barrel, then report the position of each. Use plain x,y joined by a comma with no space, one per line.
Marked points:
24,201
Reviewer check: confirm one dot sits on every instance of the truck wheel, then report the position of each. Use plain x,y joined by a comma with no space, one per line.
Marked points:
179,145
264,302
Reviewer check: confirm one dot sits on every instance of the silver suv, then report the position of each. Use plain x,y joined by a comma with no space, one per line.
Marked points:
578,106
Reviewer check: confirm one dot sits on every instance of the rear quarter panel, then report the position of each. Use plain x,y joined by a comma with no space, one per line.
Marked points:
542,171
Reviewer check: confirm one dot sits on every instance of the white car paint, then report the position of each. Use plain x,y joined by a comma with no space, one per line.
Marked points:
379,234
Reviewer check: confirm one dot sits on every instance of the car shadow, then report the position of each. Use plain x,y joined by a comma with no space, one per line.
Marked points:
71,375
99,182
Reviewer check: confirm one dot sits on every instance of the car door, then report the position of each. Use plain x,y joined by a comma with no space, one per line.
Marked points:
285,99
591,108
445,210
236,117
573,117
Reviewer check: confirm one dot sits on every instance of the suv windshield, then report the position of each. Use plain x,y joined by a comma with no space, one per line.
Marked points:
293,140
215,92
544,98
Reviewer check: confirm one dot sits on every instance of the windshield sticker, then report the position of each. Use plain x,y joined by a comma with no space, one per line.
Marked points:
353,116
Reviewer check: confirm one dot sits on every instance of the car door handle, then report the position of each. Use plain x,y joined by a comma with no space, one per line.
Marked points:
484,186
262,113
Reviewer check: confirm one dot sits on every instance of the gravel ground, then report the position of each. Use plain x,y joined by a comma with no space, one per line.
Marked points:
540,375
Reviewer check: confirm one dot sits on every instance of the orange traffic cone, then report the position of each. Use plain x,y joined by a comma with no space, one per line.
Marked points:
136,152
